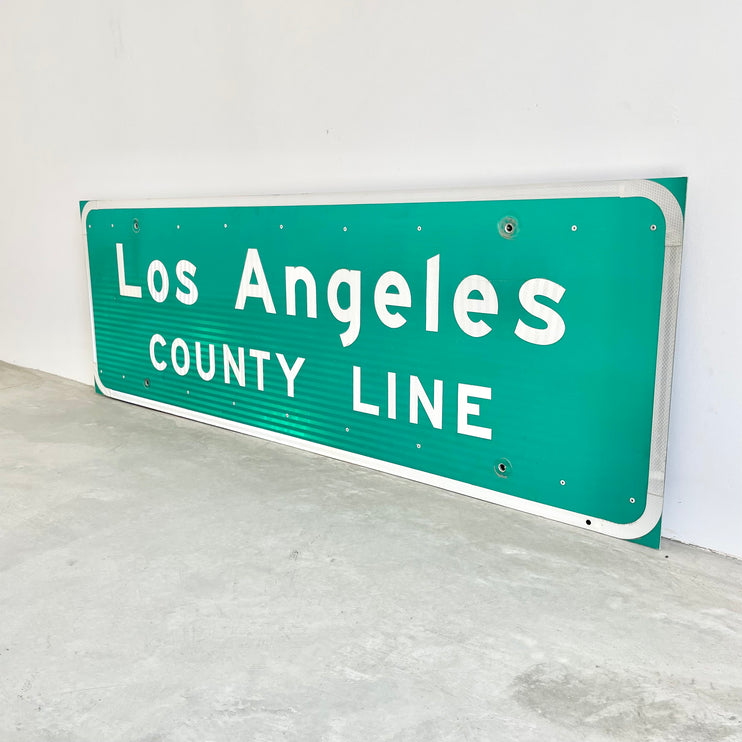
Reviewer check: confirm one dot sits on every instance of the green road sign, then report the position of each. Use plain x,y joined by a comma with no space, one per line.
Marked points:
511,344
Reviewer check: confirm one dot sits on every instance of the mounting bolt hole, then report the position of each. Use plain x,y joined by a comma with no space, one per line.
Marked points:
589,522
135,225
508,226
503,468
146,383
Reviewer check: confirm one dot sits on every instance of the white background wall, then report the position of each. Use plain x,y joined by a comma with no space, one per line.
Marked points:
113,99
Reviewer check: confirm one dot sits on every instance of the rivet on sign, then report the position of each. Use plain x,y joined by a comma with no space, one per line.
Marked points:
418,445
280,226
287,414
508,226
225,226
123,376
632,500
188,391
112,226
574,227
653,227
347,430
88,226
345,229
419,229
177,226
234,403
146,382
562,482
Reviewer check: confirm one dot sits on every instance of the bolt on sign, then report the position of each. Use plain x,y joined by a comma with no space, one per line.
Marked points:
510,344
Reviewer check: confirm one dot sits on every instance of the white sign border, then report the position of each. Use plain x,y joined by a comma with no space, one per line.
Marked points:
648,189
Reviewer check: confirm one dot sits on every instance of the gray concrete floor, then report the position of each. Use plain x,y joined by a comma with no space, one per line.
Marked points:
164,580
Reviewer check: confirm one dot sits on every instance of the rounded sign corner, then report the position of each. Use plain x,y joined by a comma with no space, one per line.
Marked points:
104,390
643,524
86,208
666,201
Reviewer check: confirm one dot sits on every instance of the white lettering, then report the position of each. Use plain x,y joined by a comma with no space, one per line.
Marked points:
124,288
463,304
257,290
156,266
290,373
352,313
391,395
467,408
229,364
358,406
180,369
383,299
299,273
156,339
433,270
434,411
260,356
209,375
185,271
555,327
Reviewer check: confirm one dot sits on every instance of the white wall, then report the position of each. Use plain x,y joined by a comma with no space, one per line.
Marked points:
135,98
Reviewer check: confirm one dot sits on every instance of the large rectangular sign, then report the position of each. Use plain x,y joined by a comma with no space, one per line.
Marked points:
511,344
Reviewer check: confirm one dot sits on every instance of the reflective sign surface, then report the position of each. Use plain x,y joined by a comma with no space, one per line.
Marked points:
514,345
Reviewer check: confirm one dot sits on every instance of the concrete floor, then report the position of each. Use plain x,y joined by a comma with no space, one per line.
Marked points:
161,580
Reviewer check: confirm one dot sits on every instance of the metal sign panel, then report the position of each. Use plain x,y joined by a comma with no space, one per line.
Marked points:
510,344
